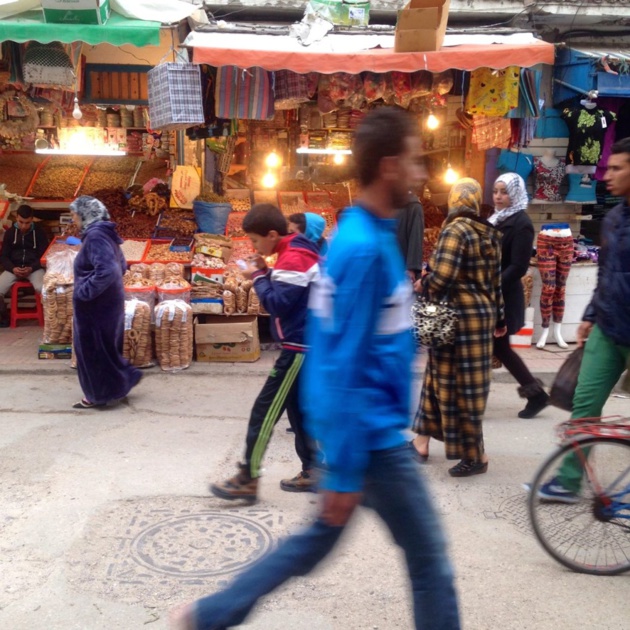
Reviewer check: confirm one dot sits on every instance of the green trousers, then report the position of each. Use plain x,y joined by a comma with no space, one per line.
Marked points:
603,363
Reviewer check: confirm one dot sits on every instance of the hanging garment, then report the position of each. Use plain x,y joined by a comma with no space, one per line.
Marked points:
548,179
490,132
493,92
514,162
551,125
587,128
246,94
554,254
581,188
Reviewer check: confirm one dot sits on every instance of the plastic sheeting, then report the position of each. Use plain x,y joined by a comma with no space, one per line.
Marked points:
165,11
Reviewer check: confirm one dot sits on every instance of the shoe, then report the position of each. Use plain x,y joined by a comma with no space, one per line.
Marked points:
86,404
302,482
537,399
555,492
468,467
241,486
420,458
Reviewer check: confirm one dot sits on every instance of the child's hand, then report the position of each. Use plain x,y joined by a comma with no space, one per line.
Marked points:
254,263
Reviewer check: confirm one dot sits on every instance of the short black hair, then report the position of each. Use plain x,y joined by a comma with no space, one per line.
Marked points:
24,211
382,133
621,146
300,220
263,218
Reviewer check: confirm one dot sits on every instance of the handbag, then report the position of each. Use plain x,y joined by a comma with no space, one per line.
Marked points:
434,323
563,388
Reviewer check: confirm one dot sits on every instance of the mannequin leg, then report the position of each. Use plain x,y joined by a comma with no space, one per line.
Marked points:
558,336
543,338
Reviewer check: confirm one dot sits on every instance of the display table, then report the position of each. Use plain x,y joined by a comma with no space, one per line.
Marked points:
580,286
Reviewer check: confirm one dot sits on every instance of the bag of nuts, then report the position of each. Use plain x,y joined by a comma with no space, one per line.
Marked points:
137,344
174,335
57,293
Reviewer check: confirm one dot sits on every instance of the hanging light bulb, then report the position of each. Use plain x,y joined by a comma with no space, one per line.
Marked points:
339,158
272,160
432,122
77,114
269,180
451,175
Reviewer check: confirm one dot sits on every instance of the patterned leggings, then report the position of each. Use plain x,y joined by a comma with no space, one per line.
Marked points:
554,263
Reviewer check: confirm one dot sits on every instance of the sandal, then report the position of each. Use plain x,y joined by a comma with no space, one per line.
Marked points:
85,404
468,467
422,459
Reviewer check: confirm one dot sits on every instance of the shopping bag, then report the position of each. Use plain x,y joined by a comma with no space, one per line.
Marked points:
563,388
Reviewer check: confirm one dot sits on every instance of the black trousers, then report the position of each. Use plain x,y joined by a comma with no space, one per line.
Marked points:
513,363
279,393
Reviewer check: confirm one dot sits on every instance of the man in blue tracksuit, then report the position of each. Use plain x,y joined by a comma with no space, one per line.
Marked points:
357,395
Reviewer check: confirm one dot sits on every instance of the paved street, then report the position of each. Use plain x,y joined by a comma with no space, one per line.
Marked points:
106,521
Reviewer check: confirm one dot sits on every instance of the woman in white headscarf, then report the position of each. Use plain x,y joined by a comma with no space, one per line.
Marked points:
98,302
510,202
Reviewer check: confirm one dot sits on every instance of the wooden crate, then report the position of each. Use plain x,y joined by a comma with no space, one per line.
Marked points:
109,84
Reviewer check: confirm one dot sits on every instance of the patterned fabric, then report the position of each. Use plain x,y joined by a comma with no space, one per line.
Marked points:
489,132
554,254
466,265
290,89
175,96
90,209
518,197
548,179
493,92
465,195
246,94
587,128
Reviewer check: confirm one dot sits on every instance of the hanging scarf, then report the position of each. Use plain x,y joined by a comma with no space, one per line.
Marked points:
518,197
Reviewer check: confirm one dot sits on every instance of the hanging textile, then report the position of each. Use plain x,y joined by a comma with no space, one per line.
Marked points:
493,92
490,132
290,90
246,94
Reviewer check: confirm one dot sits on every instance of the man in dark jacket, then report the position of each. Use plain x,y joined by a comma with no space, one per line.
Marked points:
22,248
605,328
410,234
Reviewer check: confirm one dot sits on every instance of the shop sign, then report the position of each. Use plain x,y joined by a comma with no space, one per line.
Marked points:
76,11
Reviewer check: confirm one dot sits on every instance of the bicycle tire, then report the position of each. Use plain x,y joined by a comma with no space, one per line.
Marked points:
585,536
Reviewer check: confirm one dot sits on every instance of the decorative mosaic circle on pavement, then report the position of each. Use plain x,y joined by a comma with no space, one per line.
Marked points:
514,511
157,550
201,545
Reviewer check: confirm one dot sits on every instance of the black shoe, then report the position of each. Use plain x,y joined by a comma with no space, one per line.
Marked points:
534,406
468,467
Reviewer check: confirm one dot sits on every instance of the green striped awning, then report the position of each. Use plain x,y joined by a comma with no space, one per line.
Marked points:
118,30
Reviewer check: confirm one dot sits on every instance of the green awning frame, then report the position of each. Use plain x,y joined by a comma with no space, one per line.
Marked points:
118,30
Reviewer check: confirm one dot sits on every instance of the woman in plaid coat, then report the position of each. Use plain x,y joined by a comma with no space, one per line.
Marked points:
465,269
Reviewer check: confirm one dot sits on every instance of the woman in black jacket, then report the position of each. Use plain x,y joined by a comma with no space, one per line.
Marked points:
510,202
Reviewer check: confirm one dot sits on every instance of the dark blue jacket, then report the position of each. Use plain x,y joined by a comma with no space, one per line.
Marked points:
284,290
610,306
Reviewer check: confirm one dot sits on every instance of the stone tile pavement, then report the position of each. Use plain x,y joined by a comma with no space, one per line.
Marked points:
18,354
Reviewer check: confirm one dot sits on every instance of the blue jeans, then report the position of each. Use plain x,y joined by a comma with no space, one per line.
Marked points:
394,489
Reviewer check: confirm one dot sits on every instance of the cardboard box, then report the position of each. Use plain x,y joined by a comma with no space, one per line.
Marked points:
54,351
76,11
421,26
227,339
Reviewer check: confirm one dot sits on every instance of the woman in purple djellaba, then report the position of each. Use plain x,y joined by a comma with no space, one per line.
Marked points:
98,302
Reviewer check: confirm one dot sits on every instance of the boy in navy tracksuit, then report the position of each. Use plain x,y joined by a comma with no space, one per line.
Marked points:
284,292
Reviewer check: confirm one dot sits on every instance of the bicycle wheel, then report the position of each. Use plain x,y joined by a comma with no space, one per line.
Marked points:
591,535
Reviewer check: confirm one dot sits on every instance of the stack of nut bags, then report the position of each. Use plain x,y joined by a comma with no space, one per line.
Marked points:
57,291
174,335
137,342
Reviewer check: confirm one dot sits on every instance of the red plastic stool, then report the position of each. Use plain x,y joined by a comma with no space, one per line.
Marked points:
25,313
